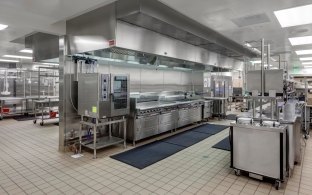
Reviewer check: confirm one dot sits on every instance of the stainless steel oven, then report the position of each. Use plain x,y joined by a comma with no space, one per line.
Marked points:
103,95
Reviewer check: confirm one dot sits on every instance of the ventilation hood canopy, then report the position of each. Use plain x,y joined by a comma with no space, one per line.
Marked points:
148,27
158,17
148,60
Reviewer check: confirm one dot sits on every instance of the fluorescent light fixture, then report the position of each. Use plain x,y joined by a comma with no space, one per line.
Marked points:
133,62
294,16
15,56
5,60
248,45
304,52
300,40
52,64
181,68
162,66
3,26
26,50
256,62
306,59
308,66
305,63
267,65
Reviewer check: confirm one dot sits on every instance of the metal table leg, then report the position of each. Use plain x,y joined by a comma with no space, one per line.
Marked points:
94,141
125,131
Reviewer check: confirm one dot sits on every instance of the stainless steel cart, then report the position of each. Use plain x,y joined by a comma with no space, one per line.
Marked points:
260,151
44,107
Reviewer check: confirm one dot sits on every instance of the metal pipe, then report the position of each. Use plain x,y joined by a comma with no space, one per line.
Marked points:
268,56
279,61
272,109
262,75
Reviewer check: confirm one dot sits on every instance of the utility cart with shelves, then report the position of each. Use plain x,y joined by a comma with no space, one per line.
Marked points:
47,109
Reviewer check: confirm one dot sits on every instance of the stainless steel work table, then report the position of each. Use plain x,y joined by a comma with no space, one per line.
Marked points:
24,109
219,105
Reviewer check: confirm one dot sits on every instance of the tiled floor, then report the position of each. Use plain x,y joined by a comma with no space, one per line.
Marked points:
31,164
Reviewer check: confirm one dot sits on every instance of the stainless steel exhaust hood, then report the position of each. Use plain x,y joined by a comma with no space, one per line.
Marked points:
158,17
45,46
150,27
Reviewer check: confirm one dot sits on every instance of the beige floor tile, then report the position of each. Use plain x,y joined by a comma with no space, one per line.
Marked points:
200,169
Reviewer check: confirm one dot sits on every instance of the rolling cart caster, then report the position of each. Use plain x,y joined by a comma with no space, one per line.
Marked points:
306,136
41,123
35,121
237,172
277,184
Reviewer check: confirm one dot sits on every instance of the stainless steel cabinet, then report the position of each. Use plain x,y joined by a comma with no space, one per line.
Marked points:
168,121
207,109
146,127
188,116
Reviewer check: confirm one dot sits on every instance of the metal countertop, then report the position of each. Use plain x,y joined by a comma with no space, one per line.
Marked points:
162,104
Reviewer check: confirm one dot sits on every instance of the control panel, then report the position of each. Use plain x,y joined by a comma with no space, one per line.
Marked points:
105,81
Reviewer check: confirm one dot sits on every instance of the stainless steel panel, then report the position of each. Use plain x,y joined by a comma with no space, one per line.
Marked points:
160,18
274,80
254,80
133,38
146,127
88,84
45,46
188,116
93,30
168,121
257,150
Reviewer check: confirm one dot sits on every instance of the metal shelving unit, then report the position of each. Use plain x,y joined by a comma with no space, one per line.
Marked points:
101,142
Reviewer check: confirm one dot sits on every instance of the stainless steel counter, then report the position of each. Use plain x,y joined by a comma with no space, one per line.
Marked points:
154,117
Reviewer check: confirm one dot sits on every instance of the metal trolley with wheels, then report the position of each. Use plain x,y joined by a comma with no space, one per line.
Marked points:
47,110
259,151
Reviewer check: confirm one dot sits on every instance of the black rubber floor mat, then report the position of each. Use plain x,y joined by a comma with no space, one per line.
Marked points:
223,144
24,118
147,155
210,129
187,139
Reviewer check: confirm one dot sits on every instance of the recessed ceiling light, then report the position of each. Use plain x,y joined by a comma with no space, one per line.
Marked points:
3,26
5,60
15,56
256,62
306,63
26,50
304,52
52,64
248,45
295,16
301,40
306,59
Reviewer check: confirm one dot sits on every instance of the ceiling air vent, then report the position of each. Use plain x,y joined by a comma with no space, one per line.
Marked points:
251,20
